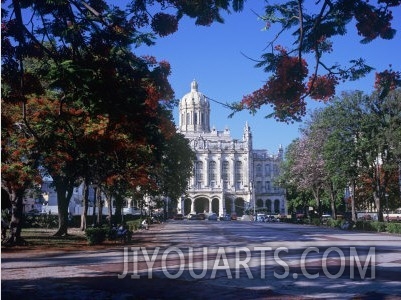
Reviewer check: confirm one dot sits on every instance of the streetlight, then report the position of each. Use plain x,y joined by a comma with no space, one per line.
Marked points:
252,198
386,195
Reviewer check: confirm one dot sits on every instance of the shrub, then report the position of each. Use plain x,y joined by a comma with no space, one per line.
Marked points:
41,221
334,223
95,235
134,224
379,226
394,227
315,221
363,225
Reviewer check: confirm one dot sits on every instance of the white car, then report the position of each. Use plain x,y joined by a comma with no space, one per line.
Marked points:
260,218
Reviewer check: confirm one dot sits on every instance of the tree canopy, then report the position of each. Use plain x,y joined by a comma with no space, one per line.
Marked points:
90,108
298,71
350,145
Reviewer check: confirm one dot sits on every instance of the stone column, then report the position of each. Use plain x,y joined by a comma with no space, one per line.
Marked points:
192,206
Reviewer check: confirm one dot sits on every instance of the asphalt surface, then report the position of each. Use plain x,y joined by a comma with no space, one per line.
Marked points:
215,260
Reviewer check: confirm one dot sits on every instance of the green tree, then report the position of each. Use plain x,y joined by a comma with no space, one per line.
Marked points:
176,167
91,104
19,168
342,152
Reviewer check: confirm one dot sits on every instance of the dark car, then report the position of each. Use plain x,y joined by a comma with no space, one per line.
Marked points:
225,218
179,217
212,217
193,217
201,216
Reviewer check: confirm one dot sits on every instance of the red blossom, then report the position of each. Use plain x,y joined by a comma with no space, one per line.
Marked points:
283,90
322,87
388,79
164,24
372,23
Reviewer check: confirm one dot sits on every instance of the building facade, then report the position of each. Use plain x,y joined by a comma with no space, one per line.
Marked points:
229,175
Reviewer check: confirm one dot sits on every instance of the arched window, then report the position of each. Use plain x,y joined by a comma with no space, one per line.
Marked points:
276,206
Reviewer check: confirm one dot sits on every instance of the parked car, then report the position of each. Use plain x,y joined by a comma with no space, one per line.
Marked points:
271,218
201,216
179,217
193,217
246,218
212,217
260,218
225,218
234,216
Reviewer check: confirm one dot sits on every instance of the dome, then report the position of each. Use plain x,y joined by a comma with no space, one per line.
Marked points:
194,97
194,111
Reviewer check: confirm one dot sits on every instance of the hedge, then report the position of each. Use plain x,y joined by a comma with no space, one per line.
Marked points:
96,235
394,228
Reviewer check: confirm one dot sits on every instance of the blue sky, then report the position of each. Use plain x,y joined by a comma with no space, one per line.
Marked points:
212,56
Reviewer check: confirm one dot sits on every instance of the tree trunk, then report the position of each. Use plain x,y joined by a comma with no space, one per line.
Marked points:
16,218
99,206
85,203
353,212
64,193
94,206
316,194
333,195
119,205
378,207
110,210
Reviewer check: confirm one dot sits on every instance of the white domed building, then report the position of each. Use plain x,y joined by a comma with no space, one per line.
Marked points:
229,175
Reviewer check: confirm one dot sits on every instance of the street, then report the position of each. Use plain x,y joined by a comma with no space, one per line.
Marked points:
198,259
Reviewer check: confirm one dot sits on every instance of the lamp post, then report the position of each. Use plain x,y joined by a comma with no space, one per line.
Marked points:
252,199
386,195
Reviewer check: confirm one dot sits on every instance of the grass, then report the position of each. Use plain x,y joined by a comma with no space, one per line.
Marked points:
43,239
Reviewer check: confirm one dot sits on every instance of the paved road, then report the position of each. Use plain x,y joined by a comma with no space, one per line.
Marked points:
202,259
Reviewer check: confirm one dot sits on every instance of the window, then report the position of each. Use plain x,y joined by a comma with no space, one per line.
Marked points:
238,171
238,185
212,173
258,170
225,174
199,174
258,186
226,170
268,186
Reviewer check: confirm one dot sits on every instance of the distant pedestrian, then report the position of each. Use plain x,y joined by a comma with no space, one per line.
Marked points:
145,224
